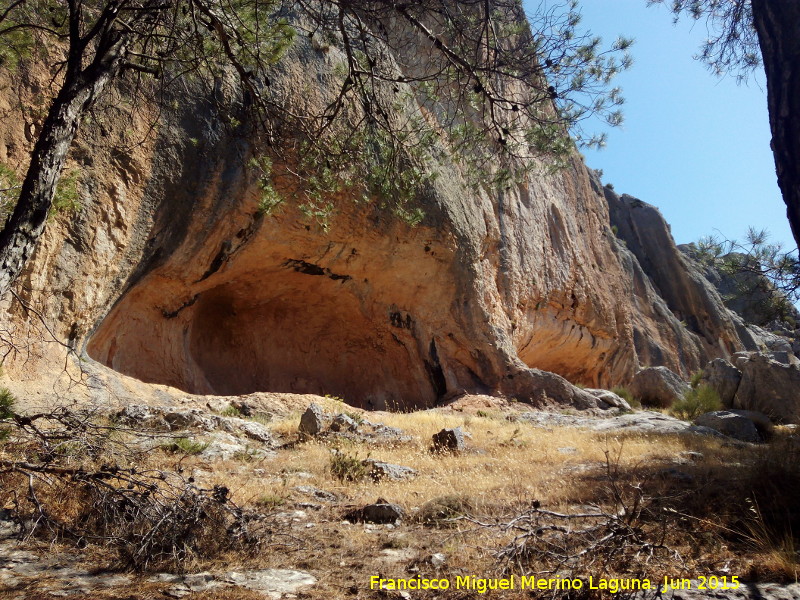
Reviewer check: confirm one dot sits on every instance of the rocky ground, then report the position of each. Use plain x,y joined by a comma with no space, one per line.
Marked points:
431,494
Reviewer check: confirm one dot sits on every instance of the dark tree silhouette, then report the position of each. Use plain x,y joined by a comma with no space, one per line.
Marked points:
743,35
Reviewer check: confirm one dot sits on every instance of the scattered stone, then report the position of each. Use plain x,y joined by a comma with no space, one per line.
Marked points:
658,386
642,421
274,583
224,446
731,424
381,470
568,450
448,440
8,527
723,378
315,492
438,559
313,420
255,431
141,415
398,555
343,422
379,431
184,419
785,357
244,407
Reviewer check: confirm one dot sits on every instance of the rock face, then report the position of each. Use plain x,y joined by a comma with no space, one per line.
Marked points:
170,274
703,327
658,386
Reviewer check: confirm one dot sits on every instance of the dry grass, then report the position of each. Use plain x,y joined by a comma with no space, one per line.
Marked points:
508,465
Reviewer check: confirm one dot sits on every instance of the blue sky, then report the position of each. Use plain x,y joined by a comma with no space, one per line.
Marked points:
694,145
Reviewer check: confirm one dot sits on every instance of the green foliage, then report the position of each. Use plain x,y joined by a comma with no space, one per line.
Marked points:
66,199
696,377
695,402
369,165
765,275
231,411
270,501
269,199
185,446
7,402
381,130
347,467
732,43
17,43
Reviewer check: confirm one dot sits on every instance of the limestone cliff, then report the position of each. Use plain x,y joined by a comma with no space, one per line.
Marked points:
170,274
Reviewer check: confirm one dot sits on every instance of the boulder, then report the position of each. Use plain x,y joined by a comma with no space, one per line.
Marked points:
343,422
381,470
658,386
609,398
313,420
381,512
731,424
448,440
769,387
723,378
255,431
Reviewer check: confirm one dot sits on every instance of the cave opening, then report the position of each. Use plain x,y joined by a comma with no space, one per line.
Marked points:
294,328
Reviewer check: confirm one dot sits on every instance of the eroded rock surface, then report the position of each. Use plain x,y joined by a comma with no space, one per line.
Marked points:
172,275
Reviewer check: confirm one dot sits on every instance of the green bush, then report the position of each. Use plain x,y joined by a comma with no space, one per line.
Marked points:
7,402
185,446
347,467
271,501
695,402
67,199
696,377
231,411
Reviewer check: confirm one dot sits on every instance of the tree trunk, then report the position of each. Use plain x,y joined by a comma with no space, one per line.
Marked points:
19,236
778,25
